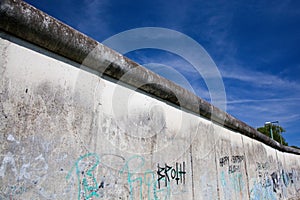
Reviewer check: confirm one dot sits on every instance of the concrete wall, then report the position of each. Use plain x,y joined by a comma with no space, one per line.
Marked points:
68,133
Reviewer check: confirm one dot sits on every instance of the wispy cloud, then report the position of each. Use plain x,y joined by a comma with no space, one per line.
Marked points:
258,78
94,20
256,112
282,100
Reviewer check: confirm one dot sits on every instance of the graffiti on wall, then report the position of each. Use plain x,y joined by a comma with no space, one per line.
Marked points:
263,185
168,173
270,184
233,163
21,170
231,177
92,181
88,185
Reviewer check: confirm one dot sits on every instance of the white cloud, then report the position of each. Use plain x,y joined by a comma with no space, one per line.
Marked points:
256,112
258,78
93,18
281,100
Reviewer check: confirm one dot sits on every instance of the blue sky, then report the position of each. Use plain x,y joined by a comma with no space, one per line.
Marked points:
254,45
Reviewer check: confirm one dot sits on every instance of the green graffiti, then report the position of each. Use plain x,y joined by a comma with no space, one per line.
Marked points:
87,185
85,168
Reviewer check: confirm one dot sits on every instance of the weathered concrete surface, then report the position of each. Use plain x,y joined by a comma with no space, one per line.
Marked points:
70,134
66,133
63,132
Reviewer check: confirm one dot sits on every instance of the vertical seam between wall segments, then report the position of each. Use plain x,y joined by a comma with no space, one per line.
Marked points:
246,170
217,174
192,169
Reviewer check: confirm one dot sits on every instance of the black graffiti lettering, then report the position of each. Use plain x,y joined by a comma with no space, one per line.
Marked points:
169,173
262,166
275,181
182,173
174,174
224,161
177,177
237,159
159,174
167,179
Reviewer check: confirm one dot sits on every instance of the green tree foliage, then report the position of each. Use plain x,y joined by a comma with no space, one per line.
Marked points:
277,130
295,147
